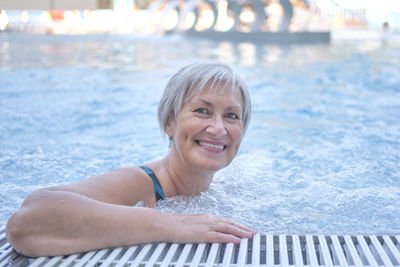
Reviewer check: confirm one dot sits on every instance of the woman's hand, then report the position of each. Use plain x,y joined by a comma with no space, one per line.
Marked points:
204,228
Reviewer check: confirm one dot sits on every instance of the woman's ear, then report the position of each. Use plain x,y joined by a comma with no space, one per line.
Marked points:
170,129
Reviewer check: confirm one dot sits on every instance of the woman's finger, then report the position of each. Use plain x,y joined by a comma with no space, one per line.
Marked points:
199,228
232,229
227,230
240,226
218,237
222,221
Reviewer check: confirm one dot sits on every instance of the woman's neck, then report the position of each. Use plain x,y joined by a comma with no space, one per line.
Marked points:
177,178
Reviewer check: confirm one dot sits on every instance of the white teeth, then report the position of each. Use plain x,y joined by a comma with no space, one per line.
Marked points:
211,145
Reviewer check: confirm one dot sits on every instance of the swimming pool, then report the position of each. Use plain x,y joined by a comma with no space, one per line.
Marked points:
321,154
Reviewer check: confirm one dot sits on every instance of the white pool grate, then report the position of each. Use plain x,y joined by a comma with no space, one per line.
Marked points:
262,250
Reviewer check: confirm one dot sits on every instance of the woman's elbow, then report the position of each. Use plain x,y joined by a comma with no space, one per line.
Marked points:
18,236
20,229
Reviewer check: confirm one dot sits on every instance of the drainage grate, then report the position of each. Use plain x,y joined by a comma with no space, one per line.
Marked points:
262,250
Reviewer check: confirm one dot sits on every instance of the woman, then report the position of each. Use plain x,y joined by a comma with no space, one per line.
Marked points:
204,110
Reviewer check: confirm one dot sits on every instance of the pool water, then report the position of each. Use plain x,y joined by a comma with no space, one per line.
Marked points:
321,154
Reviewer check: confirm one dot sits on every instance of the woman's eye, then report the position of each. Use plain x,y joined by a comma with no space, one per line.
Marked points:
232,116
201,110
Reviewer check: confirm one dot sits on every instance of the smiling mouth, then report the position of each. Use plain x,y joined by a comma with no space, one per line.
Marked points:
214,146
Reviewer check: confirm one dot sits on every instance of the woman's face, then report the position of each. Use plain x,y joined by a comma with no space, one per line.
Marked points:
208,130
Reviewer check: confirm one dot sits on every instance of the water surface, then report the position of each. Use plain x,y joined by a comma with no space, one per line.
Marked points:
321,154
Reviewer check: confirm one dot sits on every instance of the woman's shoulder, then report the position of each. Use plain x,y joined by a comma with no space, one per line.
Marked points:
135,180
134,175
126,185
131,171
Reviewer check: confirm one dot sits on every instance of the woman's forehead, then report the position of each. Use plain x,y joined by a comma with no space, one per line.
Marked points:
232,96
217,87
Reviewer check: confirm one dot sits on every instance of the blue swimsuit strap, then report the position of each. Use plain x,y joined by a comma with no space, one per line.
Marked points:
157,186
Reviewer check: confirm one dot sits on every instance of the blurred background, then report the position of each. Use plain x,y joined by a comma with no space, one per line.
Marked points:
342,18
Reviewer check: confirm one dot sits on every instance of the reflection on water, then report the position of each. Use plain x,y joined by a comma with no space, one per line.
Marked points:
117,49
321,153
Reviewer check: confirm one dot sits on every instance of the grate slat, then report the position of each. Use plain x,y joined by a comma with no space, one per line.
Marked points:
392,248
339,251
353,251
97,257
156,254
39,261
5,254
242,252
198,255
283,254
143,252
270,251
325,251
185,252
6,259
67,261
228,255
4,247
311,255
53,261
212,254
256,251
128,254
86,257
114,254
170,254
298,257
380,250
17,260
366,251
4,262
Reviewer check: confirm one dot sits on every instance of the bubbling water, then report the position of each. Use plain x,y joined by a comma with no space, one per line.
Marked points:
272,195
320,154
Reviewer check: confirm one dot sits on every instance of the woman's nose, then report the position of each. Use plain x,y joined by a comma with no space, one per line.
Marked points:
217,127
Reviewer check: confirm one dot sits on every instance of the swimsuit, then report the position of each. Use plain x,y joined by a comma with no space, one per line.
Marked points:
158,192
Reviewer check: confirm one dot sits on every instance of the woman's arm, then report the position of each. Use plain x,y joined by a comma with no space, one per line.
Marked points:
59,223
98,213
94,213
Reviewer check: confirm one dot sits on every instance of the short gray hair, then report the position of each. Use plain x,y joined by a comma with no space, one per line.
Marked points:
192,80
